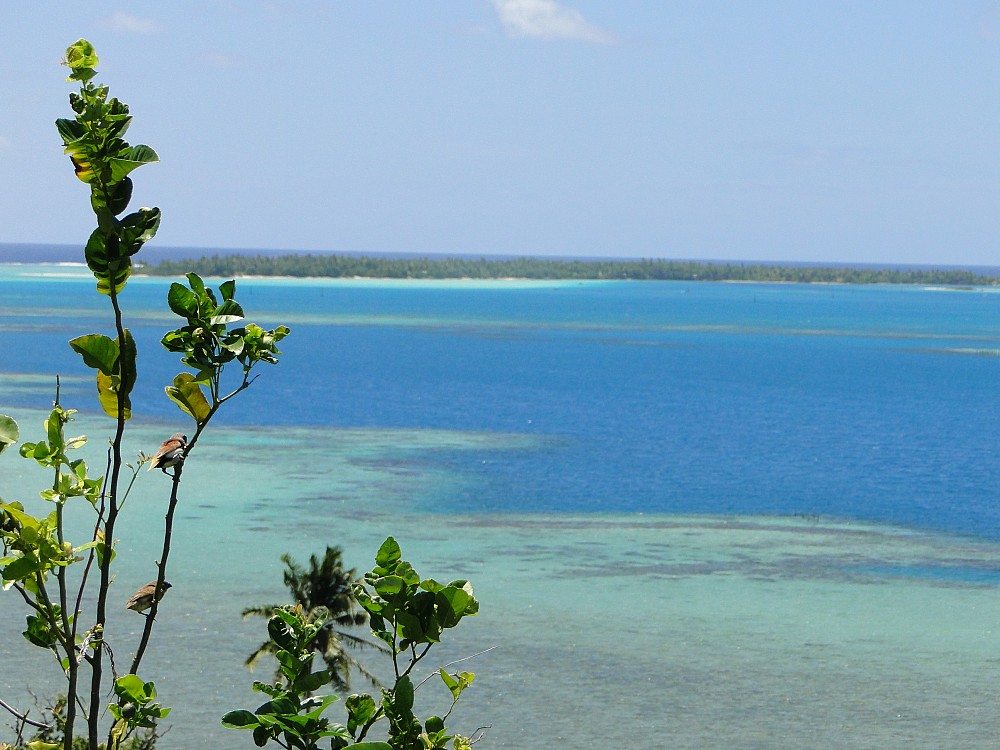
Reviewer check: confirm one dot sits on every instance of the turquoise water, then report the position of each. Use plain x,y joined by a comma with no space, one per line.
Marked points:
697,515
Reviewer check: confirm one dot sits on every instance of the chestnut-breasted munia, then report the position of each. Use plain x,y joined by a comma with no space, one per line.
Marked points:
143,598
170,453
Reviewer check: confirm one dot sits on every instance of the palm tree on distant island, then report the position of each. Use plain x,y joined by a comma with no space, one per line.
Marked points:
326,584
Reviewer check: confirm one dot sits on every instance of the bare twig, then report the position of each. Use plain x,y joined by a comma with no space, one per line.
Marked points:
481,731
22,717
444,666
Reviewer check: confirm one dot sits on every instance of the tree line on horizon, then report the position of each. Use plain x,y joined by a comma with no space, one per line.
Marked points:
344,266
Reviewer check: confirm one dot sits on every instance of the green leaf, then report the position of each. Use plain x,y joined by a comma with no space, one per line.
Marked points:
104,258
403,695
311,682
240,720
8,432
196,283
405,571
360,709
290,666
371,746
158,712
101,548
187,394
457,683
117,202
281,633
450,682
133,689
69,130
109,391
98,351
126,363
182,301
129,159
81,56
263,687
72,444
54,432
410,628
388,553
112,204
226,313
227,289
138,228
261,736
390,587
283,704
38,451
38,633
452,605
320,704
22,567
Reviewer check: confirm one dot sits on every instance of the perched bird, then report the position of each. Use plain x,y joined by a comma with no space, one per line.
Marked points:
143,598
170,453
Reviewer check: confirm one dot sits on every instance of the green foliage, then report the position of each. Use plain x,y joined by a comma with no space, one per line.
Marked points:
103,160
293,715
33,547
35,556
207,344
187,394
53,717
405,611
325,585
8,432
135,707
115,365
343,266
409,615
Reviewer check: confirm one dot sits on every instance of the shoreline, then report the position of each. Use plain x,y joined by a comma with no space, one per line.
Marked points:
929,281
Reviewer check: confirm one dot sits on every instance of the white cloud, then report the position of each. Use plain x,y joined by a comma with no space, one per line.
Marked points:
217,59
547,19
126,23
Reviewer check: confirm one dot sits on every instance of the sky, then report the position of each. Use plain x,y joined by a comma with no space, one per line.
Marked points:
785,130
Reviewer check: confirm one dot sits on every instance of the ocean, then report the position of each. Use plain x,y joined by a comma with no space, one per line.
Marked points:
697,515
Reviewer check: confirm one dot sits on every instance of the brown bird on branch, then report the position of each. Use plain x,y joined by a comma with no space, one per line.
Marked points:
170,453
143,598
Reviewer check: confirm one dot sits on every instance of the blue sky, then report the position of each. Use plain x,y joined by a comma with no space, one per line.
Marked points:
778,130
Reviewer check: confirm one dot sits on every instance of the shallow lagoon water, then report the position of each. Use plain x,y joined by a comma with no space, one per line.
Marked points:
691,631
641,583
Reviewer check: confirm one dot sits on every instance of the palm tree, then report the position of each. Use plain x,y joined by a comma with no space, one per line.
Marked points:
326,584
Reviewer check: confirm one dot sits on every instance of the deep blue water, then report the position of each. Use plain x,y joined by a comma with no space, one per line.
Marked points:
870,402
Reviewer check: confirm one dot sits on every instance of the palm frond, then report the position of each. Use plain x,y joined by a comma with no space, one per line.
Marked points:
267,647
263,610
327,584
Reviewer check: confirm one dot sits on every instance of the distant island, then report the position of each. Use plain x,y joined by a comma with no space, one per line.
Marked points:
344,266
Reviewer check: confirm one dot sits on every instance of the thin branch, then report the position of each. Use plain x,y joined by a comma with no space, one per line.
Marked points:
471,656
22,717
109,532
72,664
445,666
473,739
417,657
379,713
161,569
128,490
24,595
